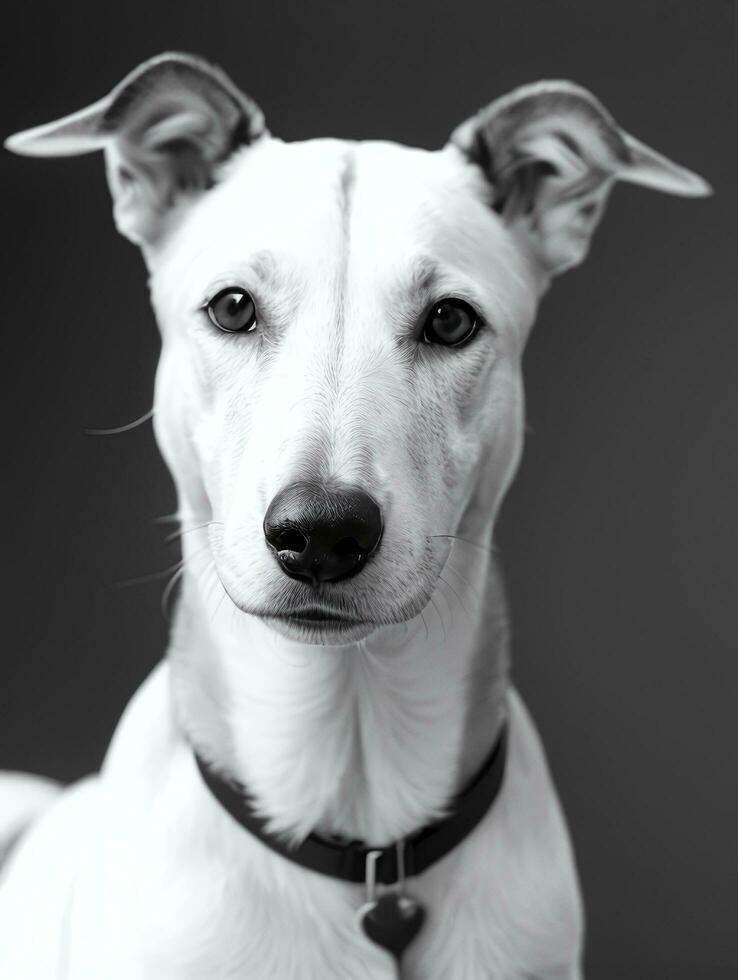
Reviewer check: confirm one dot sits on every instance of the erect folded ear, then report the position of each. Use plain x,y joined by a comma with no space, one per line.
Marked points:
552,153
164,130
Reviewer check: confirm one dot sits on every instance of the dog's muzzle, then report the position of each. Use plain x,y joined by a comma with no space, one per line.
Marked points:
320,533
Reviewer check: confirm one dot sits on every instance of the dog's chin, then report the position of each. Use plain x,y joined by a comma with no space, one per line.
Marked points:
319,631
295,613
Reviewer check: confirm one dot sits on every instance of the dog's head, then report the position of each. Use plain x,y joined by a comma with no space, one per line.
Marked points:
342,323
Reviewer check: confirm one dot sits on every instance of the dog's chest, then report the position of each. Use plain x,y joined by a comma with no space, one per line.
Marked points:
259,920
189,894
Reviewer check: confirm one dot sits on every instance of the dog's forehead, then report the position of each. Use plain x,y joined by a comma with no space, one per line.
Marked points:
309,178
308,199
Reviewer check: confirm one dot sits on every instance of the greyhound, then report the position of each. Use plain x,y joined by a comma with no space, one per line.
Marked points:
339,400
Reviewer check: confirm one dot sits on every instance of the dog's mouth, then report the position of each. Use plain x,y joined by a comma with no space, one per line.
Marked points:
315,615
305,620
327,616
318,625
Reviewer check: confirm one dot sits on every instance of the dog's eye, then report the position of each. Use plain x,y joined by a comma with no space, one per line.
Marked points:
232,310
451,323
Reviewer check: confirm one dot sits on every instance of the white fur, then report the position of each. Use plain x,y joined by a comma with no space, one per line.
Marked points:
368,739
138,873
22,798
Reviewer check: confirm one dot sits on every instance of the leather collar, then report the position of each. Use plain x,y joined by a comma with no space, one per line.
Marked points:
348,860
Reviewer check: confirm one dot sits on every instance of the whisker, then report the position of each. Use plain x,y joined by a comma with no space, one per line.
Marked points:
220,603
446,582
154,576
122,428
475,591
489,549
168,589
214,581
185,565
188,530
207,589
214,584
427,634
176,518
438,613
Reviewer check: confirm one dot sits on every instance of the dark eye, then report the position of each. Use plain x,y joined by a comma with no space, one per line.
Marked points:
232,310
451,323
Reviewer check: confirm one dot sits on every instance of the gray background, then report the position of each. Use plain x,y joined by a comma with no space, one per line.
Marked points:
620,535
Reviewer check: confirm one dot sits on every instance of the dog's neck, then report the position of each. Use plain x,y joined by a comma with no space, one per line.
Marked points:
368,741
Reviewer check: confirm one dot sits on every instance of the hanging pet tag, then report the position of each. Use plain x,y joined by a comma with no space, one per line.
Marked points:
394,919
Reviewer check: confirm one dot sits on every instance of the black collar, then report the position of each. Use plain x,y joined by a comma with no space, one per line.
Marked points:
348,860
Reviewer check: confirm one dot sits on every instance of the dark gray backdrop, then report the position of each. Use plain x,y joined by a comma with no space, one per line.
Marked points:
620,535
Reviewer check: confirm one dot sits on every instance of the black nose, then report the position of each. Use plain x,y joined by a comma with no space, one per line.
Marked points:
322,534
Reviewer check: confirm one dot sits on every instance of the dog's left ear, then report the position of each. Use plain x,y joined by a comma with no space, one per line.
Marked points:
164,129
552,153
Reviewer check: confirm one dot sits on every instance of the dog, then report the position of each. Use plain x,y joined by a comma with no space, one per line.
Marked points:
339,401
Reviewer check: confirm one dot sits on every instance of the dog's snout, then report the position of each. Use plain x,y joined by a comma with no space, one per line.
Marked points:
322,534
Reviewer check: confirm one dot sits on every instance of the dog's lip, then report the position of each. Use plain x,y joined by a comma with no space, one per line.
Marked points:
314,614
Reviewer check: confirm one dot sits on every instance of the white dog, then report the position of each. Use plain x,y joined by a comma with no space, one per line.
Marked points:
339,401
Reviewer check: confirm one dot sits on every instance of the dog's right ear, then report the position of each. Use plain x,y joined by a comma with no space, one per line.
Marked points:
164,129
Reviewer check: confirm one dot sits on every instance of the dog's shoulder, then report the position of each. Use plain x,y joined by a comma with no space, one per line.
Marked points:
513,890
33,919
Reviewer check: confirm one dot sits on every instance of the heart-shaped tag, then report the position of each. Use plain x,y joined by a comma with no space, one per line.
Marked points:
392,921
